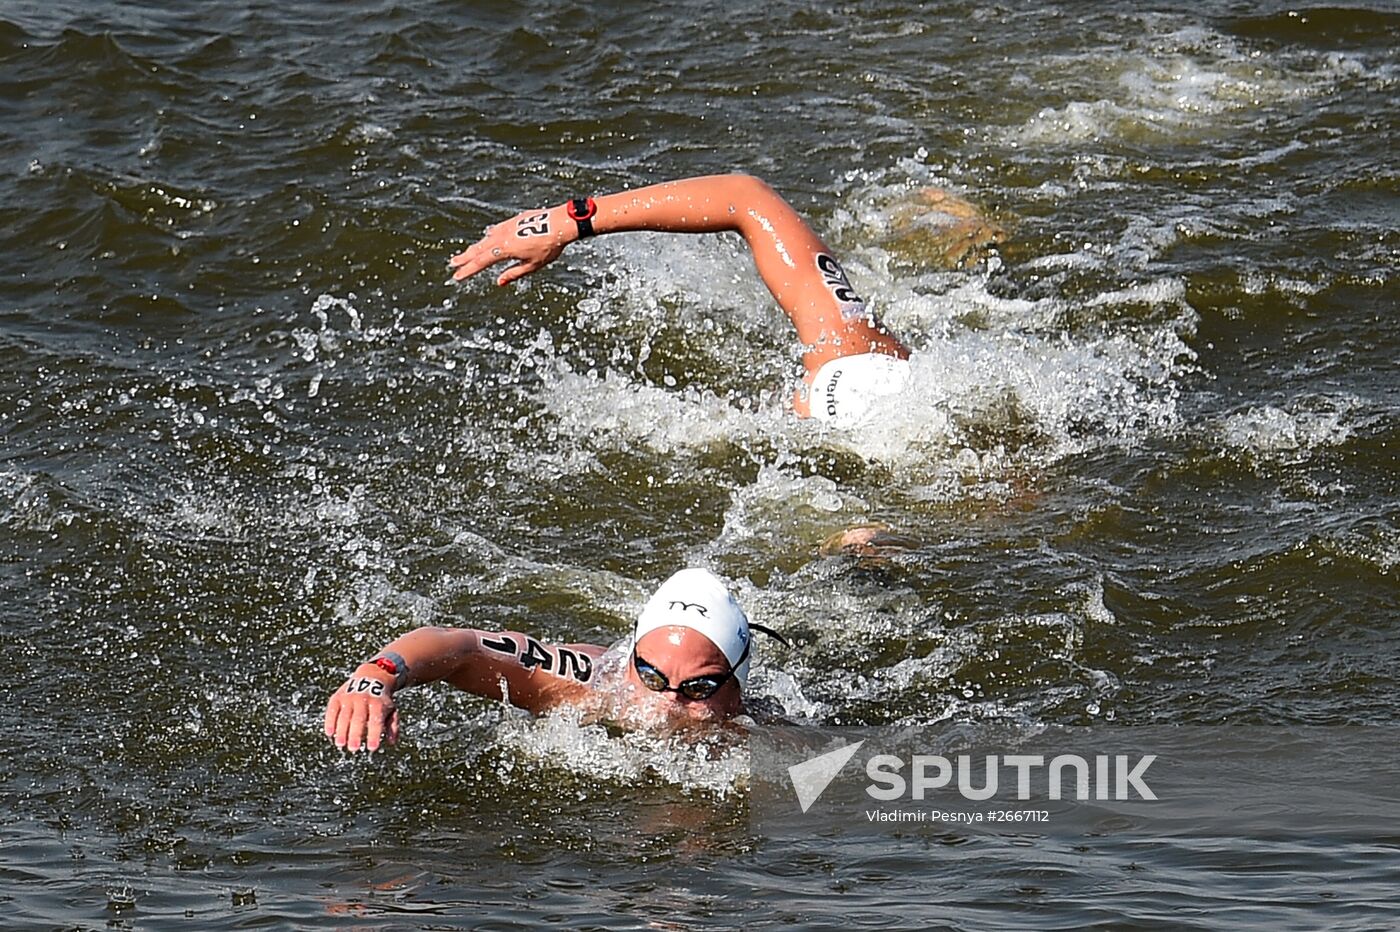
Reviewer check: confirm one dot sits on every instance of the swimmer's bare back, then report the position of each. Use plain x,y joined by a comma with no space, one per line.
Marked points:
801,272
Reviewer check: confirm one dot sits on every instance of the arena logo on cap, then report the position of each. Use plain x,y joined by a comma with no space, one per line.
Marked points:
831,391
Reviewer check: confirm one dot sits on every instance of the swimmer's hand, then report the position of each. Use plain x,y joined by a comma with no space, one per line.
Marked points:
532,239
362,711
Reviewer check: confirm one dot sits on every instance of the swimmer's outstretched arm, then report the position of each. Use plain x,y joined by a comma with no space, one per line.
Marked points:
501,665
798,268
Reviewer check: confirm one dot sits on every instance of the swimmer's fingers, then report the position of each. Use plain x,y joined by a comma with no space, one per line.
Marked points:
479,255
358,716
338,720
483,255
376,712
531,239
466,254
332,713
355,720
521,269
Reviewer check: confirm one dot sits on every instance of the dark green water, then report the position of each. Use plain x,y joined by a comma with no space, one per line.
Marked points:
250,433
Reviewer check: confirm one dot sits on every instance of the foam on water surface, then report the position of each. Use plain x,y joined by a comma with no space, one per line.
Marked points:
1296,430
716,764
1183,84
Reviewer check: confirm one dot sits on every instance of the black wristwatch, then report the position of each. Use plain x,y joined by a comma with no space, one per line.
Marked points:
582,210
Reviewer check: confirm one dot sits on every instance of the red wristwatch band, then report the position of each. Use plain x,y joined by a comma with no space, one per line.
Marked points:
581,210
392,664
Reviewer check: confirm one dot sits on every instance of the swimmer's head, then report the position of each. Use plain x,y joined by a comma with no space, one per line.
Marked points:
846,391
692,642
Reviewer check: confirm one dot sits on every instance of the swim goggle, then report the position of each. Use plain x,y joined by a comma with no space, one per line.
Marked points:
697,687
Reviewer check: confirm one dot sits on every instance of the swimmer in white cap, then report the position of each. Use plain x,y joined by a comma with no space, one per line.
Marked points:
850,358
688,659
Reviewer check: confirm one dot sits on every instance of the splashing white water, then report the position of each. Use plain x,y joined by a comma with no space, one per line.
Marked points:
1292,432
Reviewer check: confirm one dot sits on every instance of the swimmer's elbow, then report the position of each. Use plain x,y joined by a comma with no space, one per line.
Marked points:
756,205
748,188
448,649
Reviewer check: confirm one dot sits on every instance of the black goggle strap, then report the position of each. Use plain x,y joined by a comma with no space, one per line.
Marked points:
771,633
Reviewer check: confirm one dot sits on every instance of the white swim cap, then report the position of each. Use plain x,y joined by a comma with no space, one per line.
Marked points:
845,390
697,599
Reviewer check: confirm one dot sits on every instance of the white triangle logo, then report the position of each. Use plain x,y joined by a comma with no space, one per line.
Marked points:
811,777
